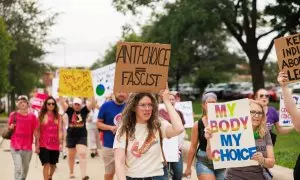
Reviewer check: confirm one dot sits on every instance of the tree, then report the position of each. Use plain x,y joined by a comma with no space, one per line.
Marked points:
29,27
6,46
243,21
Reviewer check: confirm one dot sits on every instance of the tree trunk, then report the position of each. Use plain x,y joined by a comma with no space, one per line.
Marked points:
12,83
257,67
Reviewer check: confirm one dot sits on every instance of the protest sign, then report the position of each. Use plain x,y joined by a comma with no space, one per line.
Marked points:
38,100
284,116
232,142
288,55
186,108
171,150
103,81
54,92
141,67
75,83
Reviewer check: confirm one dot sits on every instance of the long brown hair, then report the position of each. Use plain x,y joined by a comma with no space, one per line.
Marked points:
129,116
44,110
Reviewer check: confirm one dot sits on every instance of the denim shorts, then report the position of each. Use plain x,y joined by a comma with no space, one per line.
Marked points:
207,168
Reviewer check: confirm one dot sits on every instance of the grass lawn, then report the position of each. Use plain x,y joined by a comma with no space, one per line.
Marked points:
286,149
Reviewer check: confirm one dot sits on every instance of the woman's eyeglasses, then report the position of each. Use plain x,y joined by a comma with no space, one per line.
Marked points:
256,113
145,106
53,104
264,95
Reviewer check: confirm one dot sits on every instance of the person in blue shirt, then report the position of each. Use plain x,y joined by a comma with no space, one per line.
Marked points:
108,119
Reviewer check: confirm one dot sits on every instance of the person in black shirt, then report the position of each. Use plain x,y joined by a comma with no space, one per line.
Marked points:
77,133
204,166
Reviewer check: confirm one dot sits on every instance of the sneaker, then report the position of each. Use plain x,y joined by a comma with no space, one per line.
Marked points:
77,161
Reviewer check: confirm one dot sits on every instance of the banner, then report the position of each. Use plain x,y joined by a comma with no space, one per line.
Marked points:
38,100
186,108
288,55
232,142
75,83
284,116
171,150
141,67
103,81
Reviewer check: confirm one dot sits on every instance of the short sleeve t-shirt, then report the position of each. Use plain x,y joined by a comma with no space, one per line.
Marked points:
77,120
22,137
143,162
110,113
272,117
251,172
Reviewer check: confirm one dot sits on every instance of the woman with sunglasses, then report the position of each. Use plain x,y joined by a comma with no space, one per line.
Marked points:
262,96
51,136
264,149
138,142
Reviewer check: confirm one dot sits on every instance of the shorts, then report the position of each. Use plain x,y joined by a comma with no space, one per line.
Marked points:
48,156
203,168
72,142
109,160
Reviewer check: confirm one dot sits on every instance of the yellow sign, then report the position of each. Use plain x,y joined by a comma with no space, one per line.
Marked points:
75,83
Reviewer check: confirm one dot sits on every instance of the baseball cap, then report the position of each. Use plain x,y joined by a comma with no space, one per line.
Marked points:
77,101
22,97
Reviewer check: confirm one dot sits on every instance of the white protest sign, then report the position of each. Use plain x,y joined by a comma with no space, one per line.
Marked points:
171,150
55,83
186,108
232,142
284,116
103,81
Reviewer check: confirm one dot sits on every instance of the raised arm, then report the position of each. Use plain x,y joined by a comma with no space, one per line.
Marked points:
289,101
91,104
63,103
283,130
176,127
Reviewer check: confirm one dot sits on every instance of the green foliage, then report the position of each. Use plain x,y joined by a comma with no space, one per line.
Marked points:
241,20
6,46
29,26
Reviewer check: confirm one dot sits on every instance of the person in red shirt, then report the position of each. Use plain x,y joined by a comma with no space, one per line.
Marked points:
51,136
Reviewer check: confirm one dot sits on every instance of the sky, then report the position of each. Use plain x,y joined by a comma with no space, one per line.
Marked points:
87,28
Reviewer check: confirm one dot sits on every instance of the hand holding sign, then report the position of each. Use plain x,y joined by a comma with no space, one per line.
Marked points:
282,78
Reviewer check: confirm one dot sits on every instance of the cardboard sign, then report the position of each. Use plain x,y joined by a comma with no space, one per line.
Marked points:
103,81
288,55
75,83
38,101
186,108
284,116
141,67
232,142
171,150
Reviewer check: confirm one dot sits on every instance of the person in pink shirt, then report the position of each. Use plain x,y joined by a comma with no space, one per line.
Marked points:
51,136
25,125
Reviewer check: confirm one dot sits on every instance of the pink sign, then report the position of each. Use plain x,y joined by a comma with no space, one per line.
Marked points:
38,100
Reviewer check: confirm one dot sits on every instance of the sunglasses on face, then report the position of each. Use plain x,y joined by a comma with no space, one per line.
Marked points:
264,95
256,113
53,104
